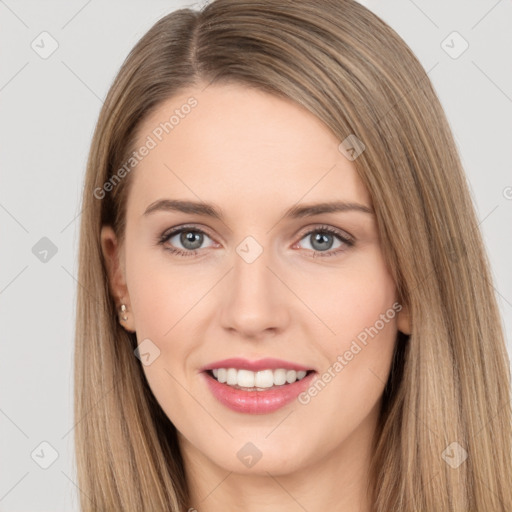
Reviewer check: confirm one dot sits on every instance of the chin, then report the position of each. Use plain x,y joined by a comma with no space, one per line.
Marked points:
248,458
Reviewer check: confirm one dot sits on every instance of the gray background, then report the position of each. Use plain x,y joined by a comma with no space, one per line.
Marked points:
48,108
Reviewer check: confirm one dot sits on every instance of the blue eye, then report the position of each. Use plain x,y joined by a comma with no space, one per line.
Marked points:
192,238
322,240
189,237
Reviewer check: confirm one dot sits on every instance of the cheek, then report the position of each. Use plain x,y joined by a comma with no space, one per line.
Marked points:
366,311
166,301
351,299
161,293
162,299
358,356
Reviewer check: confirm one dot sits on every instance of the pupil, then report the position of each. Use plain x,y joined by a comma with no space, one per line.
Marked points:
188,237
321,238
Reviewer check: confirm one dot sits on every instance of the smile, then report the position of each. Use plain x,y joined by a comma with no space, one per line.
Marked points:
258,381
256,399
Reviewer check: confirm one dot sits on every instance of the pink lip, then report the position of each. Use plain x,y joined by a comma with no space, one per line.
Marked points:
257,402
255,366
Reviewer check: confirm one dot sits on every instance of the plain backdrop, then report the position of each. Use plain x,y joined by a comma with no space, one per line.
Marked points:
48,109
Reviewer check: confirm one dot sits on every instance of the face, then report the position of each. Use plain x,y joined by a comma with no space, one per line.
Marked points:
256,280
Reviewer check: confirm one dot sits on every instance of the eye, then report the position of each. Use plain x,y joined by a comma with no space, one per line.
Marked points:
190,238
322,239
187,240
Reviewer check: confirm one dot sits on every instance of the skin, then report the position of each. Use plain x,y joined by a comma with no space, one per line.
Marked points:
254,156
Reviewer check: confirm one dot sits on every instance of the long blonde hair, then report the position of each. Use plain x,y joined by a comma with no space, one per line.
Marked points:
448,394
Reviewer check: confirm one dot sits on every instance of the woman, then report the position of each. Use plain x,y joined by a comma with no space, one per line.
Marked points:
222,359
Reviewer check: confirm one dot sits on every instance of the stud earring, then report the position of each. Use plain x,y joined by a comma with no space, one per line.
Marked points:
123,313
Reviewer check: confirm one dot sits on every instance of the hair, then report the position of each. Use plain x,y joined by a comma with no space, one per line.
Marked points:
449,381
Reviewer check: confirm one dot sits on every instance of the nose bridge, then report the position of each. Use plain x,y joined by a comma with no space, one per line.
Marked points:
254,300
250,272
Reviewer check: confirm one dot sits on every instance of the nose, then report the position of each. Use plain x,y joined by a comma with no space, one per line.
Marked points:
255,300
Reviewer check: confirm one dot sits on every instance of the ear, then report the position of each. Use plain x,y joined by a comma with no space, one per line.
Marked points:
403,320
114,262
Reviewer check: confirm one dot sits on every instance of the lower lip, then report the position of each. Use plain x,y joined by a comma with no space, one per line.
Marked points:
257,402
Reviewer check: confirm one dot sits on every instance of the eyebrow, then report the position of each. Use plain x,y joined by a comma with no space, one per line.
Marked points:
295,212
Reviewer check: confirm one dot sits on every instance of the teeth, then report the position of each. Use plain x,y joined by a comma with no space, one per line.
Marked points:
263,379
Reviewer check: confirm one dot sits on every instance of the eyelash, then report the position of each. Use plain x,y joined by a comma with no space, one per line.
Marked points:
321,229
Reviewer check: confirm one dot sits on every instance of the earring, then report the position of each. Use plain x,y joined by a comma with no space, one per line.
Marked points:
123,313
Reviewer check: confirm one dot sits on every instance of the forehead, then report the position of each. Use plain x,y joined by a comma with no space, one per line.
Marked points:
237,144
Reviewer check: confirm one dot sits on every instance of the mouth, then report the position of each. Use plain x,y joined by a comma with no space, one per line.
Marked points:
263,380
259,391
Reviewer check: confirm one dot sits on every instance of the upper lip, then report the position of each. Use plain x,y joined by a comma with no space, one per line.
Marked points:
261,364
